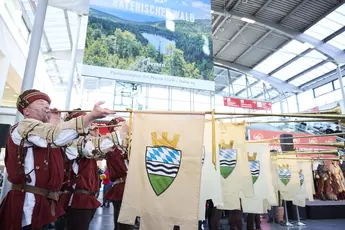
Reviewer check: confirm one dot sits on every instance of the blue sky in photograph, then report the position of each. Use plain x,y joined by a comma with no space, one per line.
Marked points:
200,8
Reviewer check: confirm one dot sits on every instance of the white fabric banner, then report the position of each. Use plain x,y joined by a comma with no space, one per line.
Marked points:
210,187
306,182
78,6
260,168
288,178
234,168
163,181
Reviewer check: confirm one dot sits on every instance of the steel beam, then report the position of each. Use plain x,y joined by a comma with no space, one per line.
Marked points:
307,71
323,79
232,39
293,11
69,28
330,51
279,84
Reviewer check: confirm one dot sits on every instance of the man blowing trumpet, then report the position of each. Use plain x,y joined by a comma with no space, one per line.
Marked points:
34,160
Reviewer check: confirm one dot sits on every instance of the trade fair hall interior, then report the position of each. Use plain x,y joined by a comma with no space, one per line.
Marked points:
222,114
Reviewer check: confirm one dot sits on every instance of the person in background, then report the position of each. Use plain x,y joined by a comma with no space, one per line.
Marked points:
329,130
117,164
106,186
99,172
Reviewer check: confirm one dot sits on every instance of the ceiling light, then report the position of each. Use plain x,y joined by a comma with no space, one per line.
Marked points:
7,87
15,95
228,20
221,29
248,20
212,11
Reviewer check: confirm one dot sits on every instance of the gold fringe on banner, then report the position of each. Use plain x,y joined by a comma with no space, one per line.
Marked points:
130,132
214,148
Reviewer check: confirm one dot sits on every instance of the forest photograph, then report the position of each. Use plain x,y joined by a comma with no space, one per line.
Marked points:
129,41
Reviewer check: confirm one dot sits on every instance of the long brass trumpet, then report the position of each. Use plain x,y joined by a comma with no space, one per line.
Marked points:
336,144
295,137
326,152
321,116
334,110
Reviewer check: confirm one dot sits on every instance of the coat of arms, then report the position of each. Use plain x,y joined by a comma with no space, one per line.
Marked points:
228,158
162,162
284,173
254,167
301,177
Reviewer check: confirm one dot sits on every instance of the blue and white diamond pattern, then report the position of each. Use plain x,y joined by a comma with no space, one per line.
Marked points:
164,155
227,153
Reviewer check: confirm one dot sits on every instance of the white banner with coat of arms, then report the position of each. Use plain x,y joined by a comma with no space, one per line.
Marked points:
210,188
288,178
260,168
163,181
306,183
234,166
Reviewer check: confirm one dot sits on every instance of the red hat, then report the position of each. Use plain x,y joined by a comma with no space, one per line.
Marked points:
29,96
74,114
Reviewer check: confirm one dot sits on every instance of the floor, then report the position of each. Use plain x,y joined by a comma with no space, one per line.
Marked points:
103,220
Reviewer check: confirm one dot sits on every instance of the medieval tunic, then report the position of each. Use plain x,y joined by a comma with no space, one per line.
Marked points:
82,176
117,172
34,172
43,167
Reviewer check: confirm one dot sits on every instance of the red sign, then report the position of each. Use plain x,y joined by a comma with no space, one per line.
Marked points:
275,145
247,104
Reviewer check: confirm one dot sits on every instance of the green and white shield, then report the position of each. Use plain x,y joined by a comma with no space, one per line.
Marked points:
228,159
162,166
254,170
284,175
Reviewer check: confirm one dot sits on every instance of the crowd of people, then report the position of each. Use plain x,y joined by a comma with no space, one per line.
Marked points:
52,165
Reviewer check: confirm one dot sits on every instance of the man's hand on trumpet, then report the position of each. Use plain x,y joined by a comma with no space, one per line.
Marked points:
97,113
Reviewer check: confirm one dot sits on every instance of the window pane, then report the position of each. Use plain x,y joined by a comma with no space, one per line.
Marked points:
323,89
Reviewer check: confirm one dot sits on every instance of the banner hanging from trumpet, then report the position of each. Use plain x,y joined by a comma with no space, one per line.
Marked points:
234,167
288,178
210,188
306,182
165,166
260,168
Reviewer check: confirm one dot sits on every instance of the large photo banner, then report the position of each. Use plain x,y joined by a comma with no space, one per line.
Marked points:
169,41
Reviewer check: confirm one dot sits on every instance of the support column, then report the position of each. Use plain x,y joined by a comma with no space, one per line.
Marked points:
4,65
297,102
281,103
340,77
30,66
35,44
73,64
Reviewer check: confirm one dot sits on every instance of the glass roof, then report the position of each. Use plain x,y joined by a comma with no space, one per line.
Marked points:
317,72
338,41
328,25
303,63
286,53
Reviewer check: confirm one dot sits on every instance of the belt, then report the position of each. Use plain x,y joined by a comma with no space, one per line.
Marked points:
36,190
84,192
80,191
54,196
